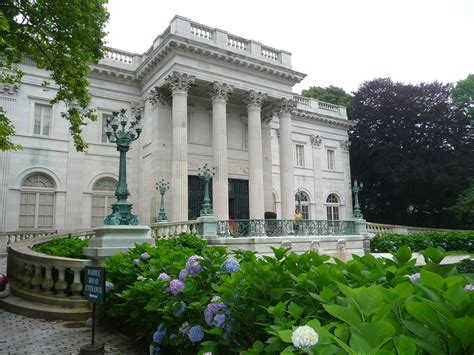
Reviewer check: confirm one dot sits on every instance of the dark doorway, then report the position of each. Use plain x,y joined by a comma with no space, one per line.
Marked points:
238,197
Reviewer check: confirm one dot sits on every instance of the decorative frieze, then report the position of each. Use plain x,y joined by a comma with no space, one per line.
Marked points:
9,89
254,99
180,81
286,106
316,140
160,95
220,91
345,145
137,108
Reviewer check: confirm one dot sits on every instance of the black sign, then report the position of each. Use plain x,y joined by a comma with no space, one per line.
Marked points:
94,284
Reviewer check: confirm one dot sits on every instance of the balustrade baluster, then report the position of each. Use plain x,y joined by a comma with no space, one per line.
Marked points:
60,286
27,275
37,278
48,282
76,286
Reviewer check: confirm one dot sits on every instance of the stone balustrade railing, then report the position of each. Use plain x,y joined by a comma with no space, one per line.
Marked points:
7,238
122,58
314,105
379,228
170,229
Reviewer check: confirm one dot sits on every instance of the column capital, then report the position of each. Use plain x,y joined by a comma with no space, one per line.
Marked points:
220,91
161,95
286,106
179,81
254,99
345,145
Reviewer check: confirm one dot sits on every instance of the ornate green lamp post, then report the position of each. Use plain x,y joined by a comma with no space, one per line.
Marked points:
118,133
162,186
356,189
299,196
206,174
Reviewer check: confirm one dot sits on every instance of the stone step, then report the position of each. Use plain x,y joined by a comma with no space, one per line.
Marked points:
32,309
51,299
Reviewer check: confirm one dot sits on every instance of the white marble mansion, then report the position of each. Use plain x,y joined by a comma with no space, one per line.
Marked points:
207,96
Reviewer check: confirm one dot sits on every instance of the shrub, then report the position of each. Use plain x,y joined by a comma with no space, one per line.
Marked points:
65,246
466,266
255,305
449,241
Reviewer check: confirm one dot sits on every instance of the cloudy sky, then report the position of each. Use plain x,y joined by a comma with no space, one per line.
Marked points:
334,42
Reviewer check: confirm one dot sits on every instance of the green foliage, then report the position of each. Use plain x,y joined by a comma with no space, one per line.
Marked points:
465,266
463,209
62,37
65,247
331,94
449,241
364,306
463,95
412,148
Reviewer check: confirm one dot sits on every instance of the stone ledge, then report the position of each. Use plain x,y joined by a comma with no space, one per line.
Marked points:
53,300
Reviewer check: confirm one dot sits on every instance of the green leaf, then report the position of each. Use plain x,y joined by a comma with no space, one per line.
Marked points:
431,280
376,332
435,255
423,313
295,310
285,335
359,345
404,345
315,324
456,297
345,314
402,255
463,329
326,349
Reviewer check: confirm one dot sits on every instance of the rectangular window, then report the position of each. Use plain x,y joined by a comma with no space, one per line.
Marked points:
27,210
331,159
98,210
36,210
42,119
332,213
300,155
105,117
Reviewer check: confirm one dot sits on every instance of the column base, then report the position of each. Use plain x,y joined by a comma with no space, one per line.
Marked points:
110,240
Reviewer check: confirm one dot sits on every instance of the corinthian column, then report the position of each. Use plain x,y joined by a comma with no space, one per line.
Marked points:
179,84
287,177
254,100
220,191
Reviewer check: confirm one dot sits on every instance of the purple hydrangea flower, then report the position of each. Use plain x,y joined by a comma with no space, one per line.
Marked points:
145,256
193,266
414,277
469,287
109,286
181,309
164,277
183,274
195,334
160,333
230,265
136,261
214,314
176,286
154,350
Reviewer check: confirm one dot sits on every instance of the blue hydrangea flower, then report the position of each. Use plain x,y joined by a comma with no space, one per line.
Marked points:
145,256
159,334
154,350
469,287
230,265
136,261
193,266
183,274
195,334
176,286
216,313
181,309
164,277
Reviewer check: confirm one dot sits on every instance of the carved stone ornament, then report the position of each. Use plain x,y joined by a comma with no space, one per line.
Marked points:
9,89
345,145
254,99
220,91
161,95
137,108
286,105
267,116
316,140
179,81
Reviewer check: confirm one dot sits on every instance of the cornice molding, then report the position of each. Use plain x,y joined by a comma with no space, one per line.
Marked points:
325,119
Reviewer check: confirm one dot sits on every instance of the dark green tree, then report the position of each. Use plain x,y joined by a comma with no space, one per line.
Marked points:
331,94
463,95
413,149
463,209
63,37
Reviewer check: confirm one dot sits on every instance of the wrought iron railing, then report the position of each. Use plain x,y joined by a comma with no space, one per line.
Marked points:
278,227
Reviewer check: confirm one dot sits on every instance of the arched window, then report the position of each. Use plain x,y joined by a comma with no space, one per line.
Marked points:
37,197
302,199
102,198
332,207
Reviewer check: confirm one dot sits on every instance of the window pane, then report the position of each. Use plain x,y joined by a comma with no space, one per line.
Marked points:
98,210
331,159
42,119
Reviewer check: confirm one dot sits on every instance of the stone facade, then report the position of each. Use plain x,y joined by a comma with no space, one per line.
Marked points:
209,97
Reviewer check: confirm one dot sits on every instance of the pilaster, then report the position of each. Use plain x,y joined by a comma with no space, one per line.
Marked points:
316,142
346,168
180,84
220,191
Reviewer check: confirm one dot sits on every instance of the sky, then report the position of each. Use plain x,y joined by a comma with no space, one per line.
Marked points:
335,42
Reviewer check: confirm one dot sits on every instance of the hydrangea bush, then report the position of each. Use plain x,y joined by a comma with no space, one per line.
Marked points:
291,303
